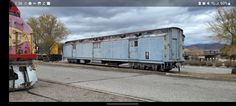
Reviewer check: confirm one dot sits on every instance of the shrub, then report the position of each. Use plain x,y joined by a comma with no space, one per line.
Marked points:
189,62
195,62
186,62
200,63
233,64
230,63
218,63
227,63
208,63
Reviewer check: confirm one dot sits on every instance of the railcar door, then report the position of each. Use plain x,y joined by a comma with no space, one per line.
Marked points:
174,40
174,48
96,52
133,49
73,50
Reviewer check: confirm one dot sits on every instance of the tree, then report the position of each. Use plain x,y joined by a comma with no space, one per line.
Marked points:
224,27
47,30
230,51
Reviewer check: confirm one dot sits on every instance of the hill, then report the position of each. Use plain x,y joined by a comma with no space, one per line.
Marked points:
206,46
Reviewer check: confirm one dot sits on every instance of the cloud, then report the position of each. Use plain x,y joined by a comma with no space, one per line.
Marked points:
85,22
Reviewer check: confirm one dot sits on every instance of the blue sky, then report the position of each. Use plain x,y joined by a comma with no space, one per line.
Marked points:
84,22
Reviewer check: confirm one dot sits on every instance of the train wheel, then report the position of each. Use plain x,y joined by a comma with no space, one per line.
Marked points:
77,61
132,65
154,67
141,66
162,69
167,70
136,66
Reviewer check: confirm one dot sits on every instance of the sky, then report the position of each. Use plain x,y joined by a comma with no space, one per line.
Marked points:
84,22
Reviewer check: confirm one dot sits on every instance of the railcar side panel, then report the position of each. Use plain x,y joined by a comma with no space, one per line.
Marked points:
67,51
97,50
133,49
116,49
84,50
151,48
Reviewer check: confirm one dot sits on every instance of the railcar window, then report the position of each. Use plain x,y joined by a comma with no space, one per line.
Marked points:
149,33
94,45
147,55
131,44
74,46
14,14
135,43
97,45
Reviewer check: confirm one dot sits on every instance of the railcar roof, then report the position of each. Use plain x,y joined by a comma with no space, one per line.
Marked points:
123,34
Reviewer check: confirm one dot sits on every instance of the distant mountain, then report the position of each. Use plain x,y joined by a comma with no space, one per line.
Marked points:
206,46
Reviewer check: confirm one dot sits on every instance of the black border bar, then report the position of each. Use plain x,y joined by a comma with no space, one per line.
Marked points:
123,3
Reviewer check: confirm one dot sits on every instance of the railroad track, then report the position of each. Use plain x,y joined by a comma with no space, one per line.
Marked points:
104,67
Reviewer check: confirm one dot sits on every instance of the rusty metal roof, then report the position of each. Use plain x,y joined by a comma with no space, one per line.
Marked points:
123,35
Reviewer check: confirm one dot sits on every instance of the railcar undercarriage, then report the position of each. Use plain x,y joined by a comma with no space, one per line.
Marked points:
163,67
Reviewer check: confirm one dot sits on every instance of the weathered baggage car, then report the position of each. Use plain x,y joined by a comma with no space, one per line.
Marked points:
158,49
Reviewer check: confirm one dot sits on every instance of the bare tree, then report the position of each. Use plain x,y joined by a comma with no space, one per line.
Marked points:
224,27
47,30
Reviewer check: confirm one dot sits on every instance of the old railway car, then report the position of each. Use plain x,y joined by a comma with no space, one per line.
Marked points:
55,53
158,49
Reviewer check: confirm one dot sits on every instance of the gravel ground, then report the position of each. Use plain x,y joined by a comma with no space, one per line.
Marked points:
204,69
97,83
212,73
24,96
152,87
51,92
